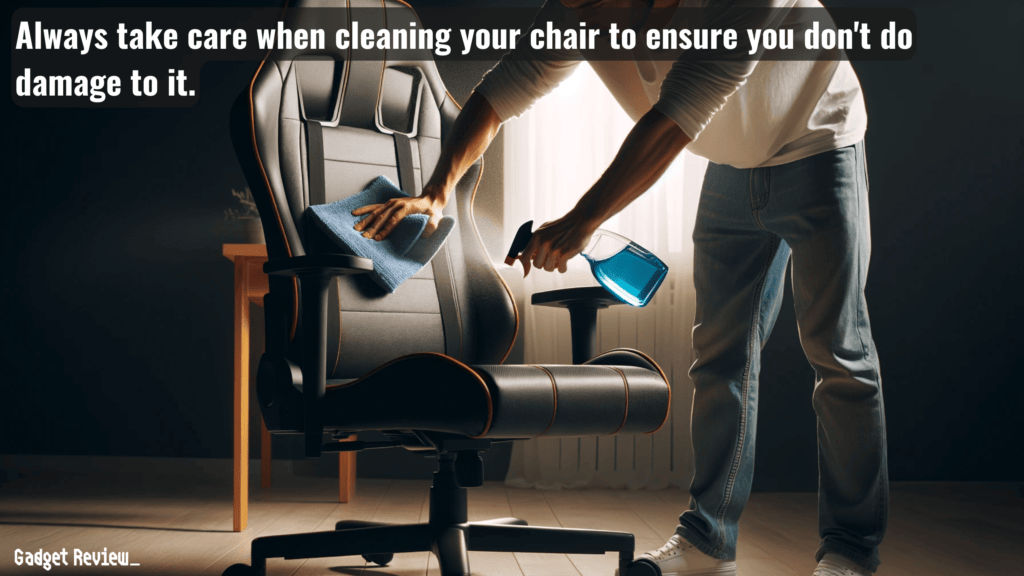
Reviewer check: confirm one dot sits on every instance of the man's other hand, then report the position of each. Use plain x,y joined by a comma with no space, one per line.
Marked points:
554,243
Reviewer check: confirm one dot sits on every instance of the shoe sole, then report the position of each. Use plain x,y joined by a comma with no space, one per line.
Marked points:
729,569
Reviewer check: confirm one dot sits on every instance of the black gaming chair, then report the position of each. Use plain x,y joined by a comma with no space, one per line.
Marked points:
422,367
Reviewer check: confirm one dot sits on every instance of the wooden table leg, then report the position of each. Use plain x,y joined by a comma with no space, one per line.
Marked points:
352,474
346,474
241,398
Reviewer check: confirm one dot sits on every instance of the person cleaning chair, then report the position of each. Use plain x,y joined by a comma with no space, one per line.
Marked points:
787,181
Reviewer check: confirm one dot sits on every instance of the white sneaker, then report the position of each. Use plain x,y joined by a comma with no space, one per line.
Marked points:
680,558
833,564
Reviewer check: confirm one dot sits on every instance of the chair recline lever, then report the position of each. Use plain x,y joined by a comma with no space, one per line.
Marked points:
357,445
319,265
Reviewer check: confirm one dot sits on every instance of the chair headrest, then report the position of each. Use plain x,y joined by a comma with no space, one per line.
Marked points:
374,91
320,80
399,102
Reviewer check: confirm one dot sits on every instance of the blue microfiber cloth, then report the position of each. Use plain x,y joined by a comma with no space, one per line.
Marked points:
397,257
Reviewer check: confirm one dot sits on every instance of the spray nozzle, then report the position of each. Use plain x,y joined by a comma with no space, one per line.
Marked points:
522,238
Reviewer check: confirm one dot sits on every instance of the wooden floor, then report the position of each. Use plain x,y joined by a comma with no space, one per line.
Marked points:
175,525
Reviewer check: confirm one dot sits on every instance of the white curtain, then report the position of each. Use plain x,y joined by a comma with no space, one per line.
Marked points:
553,153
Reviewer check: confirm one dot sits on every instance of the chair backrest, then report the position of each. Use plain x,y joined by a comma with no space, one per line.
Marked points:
371,111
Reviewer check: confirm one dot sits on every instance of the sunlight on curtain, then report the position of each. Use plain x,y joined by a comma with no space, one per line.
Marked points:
553,153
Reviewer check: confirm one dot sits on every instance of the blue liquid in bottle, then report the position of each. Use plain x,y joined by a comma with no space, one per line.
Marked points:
632,274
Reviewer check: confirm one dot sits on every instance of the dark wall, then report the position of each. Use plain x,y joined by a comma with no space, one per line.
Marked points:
117,315
944,155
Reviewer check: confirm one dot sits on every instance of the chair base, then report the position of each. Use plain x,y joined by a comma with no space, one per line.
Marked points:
448,535
451,544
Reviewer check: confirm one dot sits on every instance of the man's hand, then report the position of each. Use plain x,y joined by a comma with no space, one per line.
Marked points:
474,128
643,157
382,218
554,243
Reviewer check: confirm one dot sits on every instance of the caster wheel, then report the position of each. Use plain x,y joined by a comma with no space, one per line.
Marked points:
240,570
643,567
379,559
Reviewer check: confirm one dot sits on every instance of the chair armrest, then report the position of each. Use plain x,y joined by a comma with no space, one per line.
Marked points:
319,264
595,297
315,273
583,304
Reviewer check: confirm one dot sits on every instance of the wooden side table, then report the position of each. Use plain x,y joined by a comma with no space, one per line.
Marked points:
250,286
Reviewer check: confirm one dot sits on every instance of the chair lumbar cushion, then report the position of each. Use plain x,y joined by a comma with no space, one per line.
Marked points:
396,258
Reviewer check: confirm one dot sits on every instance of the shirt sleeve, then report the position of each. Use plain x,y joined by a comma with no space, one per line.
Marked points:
694,90
525,74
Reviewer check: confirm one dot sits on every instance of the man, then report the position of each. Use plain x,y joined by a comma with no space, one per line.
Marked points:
786,179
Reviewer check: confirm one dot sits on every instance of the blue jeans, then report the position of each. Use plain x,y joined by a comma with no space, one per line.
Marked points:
749,224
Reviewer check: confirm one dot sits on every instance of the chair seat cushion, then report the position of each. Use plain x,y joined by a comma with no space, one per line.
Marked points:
620,392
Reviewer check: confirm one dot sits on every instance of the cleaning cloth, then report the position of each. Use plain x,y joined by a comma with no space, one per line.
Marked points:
396,258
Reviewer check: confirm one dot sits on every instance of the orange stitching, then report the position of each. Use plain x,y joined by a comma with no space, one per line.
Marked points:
515,309
259,160
270,190
625,413
554,392
337,355
487,392
660,371
452,98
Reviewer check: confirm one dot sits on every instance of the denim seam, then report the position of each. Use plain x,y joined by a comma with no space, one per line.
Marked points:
881,504
756,214
756,204
742,436
750,190
862,314
867,178
861,280
767,178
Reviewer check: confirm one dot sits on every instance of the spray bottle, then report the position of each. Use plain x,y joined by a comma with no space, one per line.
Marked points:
631,273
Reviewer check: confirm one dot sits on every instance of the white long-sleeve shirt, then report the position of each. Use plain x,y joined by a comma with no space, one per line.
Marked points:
737,111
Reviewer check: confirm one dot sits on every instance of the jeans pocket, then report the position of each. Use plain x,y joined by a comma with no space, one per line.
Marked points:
864,154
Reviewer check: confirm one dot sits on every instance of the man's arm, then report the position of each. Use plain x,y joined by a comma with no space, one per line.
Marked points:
699,83
648,150
509,89
695,88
